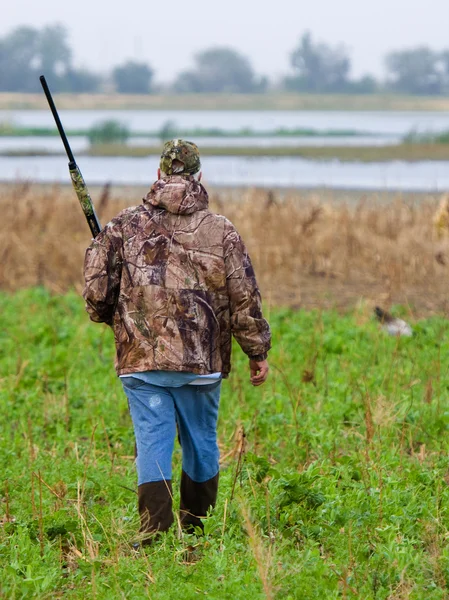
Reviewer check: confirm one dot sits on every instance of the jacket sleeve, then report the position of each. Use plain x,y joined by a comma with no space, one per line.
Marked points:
248,326
102,274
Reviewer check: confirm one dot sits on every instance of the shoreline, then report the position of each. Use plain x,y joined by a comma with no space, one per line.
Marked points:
228,102
367,154
320,195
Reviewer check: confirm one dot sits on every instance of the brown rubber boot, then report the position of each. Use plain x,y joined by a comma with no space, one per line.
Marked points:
155,507
196,500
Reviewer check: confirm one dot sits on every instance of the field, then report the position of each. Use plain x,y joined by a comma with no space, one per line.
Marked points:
341,491
269,101
334,475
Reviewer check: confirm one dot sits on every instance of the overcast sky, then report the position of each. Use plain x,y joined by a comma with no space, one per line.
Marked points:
167,34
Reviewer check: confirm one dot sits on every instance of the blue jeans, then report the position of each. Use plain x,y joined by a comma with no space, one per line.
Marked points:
156,411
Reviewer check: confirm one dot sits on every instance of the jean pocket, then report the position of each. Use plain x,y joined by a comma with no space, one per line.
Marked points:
210,387
132,382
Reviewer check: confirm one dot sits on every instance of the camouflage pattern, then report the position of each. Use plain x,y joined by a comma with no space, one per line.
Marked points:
174,281
85,200
180,157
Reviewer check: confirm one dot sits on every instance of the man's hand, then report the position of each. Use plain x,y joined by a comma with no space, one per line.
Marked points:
259,371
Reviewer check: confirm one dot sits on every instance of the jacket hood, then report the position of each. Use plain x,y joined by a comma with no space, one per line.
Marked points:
178,194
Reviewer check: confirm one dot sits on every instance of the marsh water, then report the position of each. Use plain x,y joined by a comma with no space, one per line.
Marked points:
371,128
239,171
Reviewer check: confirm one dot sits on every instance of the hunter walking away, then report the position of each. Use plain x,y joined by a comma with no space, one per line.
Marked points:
175,282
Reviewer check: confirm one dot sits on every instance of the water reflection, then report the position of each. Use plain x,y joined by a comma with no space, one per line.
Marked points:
236,171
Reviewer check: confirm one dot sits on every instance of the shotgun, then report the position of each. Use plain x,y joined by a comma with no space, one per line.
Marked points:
75,174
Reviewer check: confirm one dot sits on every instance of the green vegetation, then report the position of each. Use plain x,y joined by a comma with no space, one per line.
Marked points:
343,491
109,138
108,132
170,130
415,137
11,130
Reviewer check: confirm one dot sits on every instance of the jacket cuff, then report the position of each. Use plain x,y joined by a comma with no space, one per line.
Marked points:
259,357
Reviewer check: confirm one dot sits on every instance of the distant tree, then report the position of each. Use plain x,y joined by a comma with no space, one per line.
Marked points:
188,82
19,60
318,67
53,52
444,69
81,81
133,78
220,70
414,71
26,52
365,85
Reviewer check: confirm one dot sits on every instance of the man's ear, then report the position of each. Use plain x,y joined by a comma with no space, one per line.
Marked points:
200,175
158,173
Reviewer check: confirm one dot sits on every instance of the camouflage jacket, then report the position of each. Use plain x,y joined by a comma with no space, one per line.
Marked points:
175,282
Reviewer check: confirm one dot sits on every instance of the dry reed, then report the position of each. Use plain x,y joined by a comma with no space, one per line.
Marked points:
308,251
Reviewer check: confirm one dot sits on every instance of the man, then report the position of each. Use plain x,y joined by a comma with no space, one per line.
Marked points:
175,282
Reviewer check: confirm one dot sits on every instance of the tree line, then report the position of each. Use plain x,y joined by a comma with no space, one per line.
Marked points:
317,67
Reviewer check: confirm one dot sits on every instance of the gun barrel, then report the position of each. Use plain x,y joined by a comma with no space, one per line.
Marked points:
54,112
75,174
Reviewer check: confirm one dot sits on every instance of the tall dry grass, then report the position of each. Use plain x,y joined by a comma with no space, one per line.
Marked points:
307,251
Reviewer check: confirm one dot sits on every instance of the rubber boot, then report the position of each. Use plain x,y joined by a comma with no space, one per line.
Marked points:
155,508
196,500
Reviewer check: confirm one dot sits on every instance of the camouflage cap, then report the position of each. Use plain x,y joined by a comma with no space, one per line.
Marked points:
180,157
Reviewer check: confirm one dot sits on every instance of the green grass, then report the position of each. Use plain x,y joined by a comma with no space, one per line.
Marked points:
343,492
